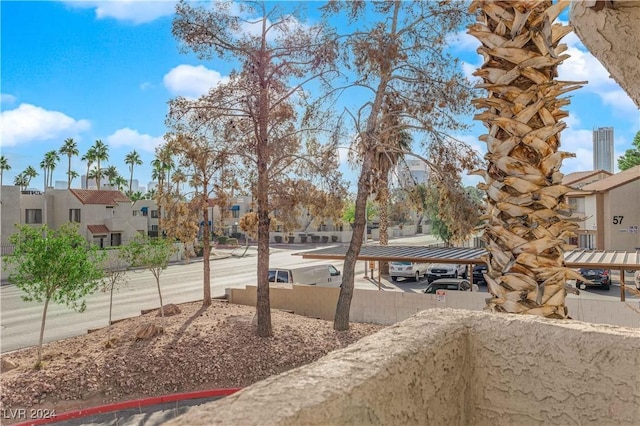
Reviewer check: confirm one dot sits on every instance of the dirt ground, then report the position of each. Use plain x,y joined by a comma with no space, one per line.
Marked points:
200,349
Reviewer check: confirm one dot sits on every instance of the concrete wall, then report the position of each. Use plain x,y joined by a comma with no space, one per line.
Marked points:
623,202
390,307
445,367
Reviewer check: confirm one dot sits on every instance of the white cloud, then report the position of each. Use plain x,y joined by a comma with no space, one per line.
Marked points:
7,99
146,86
134,11
463,41
468,70
131,138
583,66
192,81
32,123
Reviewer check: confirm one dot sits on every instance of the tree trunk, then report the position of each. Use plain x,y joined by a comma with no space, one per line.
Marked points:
341,320
69,174
44,317
157,275
528,220
263,304
110,310
383,197
206,250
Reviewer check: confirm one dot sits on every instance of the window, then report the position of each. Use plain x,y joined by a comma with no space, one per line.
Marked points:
154,214
116,239
154,228
135,212
235,213
33,216
74,215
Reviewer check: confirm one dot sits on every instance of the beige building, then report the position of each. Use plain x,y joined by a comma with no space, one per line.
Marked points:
105,217
610,206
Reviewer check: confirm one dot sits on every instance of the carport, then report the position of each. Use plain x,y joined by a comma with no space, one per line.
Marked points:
580,258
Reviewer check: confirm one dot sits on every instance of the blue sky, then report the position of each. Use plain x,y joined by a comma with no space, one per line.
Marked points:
106,70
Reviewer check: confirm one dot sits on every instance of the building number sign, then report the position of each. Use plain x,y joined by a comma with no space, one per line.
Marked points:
617,220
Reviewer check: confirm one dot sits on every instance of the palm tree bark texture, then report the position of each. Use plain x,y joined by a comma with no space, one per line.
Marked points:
527,220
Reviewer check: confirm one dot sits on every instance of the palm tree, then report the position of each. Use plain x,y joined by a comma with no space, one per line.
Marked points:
178,179
527,221
29,173
71,174
396,142
89,157
95,174
120,183
135,196
112,174
4,165
21,180
164,163
70,148
48,164
132,159
102,154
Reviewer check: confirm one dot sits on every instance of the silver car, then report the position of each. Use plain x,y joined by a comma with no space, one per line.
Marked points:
407,270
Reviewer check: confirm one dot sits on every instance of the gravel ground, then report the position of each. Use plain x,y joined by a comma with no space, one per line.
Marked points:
200,349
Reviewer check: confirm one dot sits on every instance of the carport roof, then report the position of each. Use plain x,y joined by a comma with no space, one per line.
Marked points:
573,259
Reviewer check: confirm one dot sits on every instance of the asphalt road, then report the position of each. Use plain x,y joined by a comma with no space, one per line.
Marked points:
20,321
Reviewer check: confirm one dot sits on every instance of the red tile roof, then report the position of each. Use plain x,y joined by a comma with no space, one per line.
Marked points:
95,196
98,229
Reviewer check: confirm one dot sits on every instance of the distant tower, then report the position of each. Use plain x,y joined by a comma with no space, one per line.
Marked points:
603,149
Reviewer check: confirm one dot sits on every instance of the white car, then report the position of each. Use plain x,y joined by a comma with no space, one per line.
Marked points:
446,270
407,270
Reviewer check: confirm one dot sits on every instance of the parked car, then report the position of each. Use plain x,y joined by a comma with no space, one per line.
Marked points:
456,284
598,278
478,271
407,270
636,278
446,270
320,275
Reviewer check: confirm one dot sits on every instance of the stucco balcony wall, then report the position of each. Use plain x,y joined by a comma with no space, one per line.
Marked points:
454,367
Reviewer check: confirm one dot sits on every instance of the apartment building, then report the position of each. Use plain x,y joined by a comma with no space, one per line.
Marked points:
105,217
610,207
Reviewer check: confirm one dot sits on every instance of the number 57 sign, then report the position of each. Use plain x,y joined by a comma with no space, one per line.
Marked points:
617,220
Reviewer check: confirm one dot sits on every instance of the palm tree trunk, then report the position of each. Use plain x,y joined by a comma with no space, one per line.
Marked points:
527,221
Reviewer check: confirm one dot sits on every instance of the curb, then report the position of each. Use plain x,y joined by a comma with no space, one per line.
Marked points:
136,403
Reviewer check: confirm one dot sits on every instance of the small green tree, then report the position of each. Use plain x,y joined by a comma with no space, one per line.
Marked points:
631,157
54,265
152,254
115,274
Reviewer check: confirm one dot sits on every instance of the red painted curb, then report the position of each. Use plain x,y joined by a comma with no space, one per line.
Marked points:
136,403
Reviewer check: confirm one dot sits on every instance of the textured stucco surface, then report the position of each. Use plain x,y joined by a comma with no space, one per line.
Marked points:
454,367
612,36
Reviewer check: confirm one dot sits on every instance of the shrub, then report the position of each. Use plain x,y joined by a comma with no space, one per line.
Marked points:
325,239
222,239
334,238
232,241
278,239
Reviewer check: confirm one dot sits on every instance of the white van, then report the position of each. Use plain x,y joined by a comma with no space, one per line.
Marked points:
320,275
